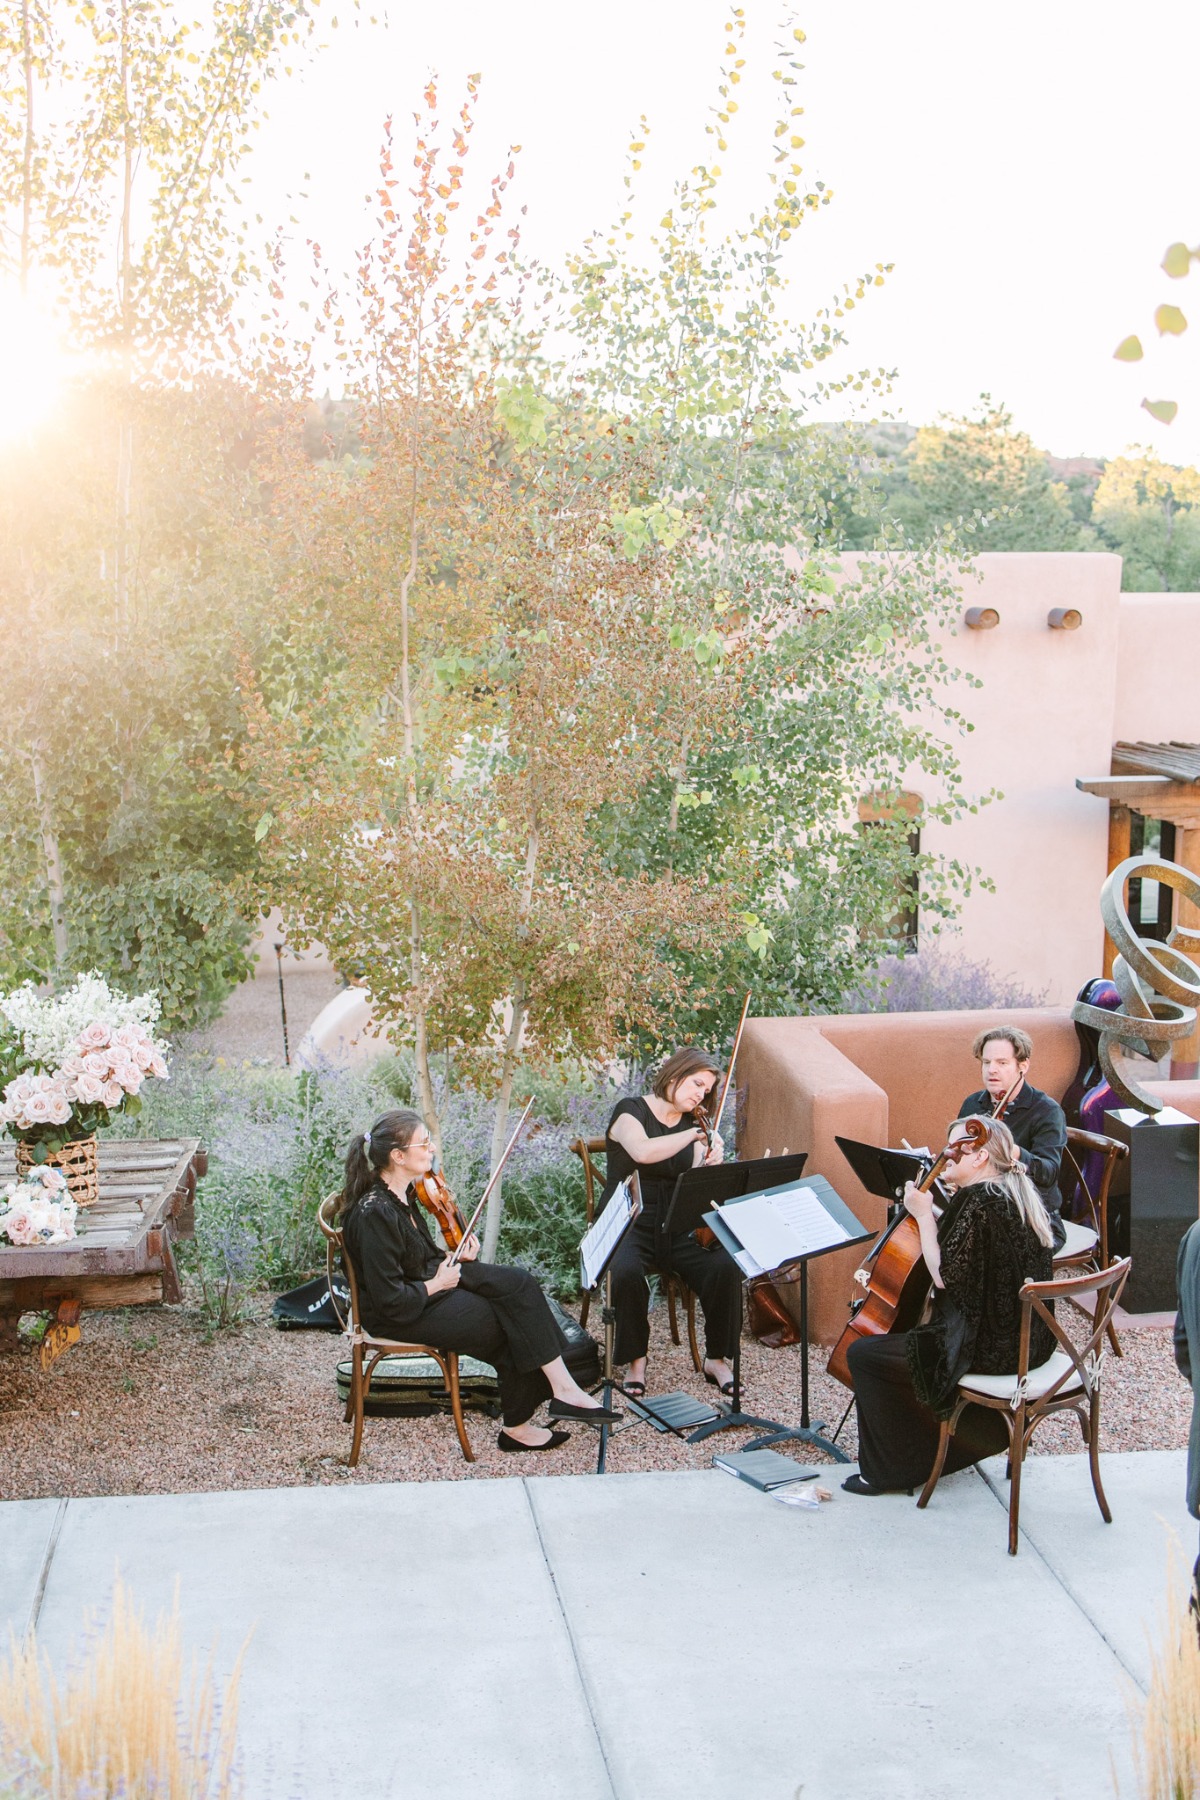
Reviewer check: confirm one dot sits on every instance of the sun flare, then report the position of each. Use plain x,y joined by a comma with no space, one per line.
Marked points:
33,366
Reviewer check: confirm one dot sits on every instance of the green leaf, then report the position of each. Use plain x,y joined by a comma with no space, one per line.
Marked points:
1177,261
1162,410
1170,321
264,825
1129,350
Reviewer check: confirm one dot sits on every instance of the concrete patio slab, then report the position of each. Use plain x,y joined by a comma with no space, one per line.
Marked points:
645,1637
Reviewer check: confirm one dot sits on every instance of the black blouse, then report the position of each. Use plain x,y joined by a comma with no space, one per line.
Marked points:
988,1253
658,1179
394,1255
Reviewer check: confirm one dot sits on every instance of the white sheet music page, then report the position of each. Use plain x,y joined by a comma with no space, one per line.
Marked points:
774,1229
600,1241
802,1210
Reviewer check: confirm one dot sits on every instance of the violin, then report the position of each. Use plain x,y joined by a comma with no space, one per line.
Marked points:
897,1278
431,1190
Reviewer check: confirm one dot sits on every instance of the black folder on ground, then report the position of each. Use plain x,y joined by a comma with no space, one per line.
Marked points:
763,1469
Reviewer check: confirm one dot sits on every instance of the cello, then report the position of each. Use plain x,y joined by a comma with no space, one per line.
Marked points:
898,1280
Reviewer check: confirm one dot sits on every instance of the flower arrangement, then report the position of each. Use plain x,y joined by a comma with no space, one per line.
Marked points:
70,1061
38,1209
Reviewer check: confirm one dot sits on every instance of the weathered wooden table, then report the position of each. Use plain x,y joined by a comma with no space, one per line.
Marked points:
122,1256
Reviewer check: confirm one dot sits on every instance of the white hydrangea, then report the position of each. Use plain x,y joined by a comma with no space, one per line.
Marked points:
51,1024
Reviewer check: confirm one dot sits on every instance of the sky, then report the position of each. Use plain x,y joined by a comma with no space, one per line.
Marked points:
1024,168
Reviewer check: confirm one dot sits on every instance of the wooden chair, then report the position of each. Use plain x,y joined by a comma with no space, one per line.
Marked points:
1086,1248
367,1350
674,1288
1069,1380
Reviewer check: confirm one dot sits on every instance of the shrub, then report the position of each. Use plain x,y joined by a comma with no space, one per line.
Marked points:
277,1142
937,981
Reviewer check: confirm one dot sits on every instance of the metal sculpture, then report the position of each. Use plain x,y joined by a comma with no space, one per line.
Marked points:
1159,983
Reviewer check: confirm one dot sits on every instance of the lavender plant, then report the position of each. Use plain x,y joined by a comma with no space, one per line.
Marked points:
937,980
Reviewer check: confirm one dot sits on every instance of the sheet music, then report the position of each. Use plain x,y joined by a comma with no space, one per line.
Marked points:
777,1228
604,1236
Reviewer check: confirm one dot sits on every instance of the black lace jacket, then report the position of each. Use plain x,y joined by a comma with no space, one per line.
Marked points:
393,1254
988,1253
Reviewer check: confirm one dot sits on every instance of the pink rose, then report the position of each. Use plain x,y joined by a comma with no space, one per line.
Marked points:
96,1062
130,1036
94,1036
59,1107
53,1180
143,1056
157,1067
19,1225
72,1066
130,1079
114,1093
37,1107
89,1089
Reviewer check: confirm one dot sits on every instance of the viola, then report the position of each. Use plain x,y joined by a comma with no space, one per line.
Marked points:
898,1279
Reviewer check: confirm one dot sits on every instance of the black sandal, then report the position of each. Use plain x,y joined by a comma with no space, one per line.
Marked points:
722,1387
634,1389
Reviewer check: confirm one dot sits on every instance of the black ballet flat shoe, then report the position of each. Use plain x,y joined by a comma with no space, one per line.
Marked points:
555,1441
723,1387
854,1484
585,1415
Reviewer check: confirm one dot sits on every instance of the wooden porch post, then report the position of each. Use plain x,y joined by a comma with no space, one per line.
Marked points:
1120,819
1185,1055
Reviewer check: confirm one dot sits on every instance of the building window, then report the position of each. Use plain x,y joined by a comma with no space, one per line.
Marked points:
1150,901
902,928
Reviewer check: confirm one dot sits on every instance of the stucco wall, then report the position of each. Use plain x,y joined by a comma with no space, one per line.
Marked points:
1043,715
1158,669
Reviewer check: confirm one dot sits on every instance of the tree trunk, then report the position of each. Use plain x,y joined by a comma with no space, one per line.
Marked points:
512,1045
50,850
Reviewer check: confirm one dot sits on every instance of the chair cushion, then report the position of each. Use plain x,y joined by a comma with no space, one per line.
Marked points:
1081,1241
1039,1380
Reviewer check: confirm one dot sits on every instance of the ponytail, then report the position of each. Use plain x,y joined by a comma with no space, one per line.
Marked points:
1013,1178
371,1151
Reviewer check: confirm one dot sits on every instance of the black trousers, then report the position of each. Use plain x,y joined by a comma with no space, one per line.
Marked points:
712,1275
499,1315
897,1433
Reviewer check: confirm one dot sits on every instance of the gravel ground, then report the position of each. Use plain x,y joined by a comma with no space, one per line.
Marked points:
147,1405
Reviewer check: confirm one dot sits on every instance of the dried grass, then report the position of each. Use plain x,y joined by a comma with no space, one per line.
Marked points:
1166,1739
124,1719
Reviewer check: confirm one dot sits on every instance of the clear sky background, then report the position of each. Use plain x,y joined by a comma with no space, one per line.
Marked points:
1023,167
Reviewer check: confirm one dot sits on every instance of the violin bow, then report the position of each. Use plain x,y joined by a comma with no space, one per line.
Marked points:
456,1253
998,1109
737,1040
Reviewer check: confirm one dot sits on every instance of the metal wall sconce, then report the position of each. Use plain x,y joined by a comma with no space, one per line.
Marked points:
981,618
1064,618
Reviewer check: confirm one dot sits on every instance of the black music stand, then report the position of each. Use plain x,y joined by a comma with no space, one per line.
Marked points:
607,1313
883,1172
694,1195
806,1432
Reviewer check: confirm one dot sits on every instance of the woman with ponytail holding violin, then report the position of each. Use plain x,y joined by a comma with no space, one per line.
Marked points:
412,1291
662,1135
993,1237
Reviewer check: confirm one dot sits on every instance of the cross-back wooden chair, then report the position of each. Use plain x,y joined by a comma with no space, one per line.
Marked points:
1068,1381
366,1350
1086,1249
673,1287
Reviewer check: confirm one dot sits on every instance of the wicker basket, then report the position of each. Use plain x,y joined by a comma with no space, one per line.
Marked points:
76,1160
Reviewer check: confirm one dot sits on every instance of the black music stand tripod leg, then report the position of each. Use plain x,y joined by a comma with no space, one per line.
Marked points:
609,1317
733,1416
806,1432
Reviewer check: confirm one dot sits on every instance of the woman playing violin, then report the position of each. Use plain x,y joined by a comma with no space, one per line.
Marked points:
663,1134
412,1291
994,1236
